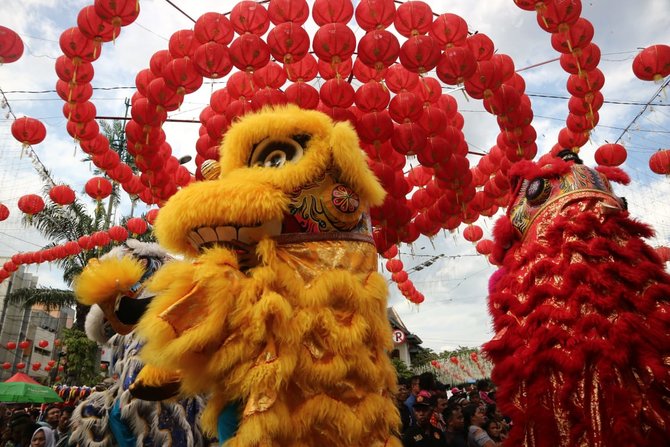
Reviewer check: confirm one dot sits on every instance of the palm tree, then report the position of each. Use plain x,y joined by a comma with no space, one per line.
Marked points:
60,224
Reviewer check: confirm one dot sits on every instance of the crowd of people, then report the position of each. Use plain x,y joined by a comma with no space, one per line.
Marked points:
35,426
434,415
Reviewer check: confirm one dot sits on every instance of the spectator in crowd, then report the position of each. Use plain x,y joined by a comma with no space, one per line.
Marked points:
422,433
437,418
62,432
401,398
21,429
413,392
52,416
474,397
454,433
494,414
483,387
494,430
43,437
474,417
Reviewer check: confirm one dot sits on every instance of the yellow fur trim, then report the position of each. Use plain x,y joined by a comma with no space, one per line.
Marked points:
104,279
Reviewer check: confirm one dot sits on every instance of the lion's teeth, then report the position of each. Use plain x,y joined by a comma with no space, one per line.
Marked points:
195,239
208,234
226,233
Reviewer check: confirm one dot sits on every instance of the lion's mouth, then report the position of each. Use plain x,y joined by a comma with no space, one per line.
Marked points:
241,239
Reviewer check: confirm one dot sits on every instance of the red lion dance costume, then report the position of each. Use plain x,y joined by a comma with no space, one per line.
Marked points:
581,310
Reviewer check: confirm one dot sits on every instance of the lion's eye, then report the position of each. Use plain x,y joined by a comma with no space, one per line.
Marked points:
276,152
538,191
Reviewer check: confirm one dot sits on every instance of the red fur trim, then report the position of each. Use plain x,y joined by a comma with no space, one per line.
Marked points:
614,174
504,237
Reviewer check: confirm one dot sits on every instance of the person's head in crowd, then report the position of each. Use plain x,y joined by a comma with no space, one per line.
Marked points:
492,412
441,401
34,414
414,385
483,385
427,381
494,429
404,386
43,437
453,416
64,421
21,428
474,414
474,397
423,408
52,416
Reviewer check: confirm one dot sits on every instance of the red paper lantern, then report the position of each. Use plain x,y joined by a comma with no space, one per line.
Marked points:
182,75
6,365
570,140
272,75
100,238
94,27
302,94
4,212
456,65
454,360
337,93
182,44
420,54
98,188
151,215
11,345
610,155
473,233
484,247
413,18
302,71
31,204
24,344
450,30
585,83
249,52
652,63
43,343
159,93
578,35
659,162
11,46
20,365
248,17
79,112
330,70
77,46
118,12
378,49
288,42
481,46
137,225
295,11
213,27
118,233
28,130
334,42
72,248
375,14
56,343
394,265
121,173
62,195
558,15
85,242
107,160
332,11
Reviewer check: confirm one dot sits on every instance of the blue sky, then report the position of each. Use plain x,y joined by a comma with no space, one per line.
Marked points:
454,312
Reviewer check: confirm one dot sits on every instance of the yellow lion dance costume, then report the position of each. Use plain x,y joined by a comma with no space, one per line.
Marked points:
282,309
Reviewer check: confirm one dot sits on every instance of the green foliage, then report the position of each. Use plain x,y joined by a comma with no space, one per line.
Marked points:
401,369
423,357
82,358
50,298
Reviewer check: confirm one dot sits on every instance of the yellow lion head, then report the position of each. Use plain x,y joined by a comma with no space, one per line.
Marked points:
283,171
